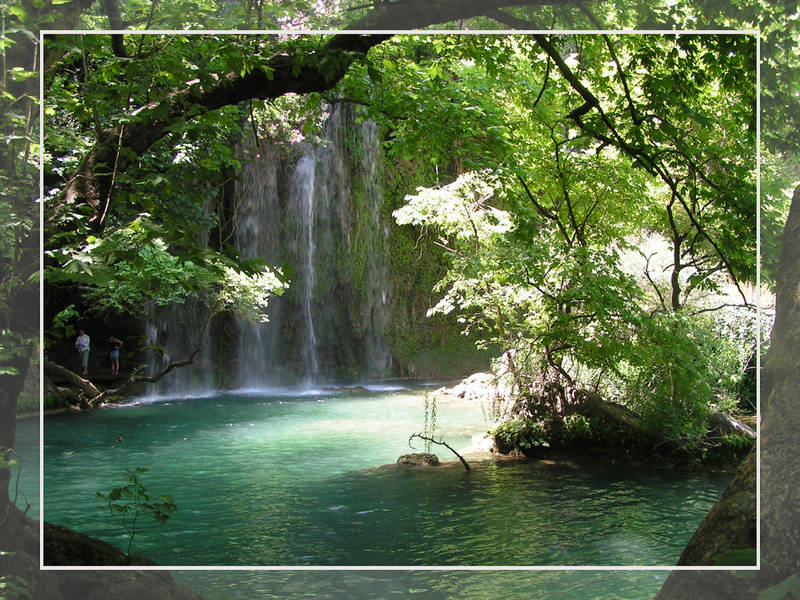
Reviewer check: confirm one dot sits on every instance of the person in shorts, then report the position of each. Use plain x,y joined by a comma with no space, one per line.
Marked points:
115,344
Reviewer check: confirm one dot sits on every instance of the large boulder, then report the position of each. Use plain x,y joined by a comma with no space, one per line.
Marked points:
65,547
594,407
478,387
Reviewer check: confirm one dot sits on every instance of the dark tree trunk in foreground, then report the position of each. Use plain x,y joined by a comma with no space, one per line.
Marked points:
780,452
731,524
10,388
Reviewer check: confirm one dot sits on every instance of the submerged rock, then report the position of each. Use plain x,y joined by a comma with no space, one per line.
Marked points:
419,459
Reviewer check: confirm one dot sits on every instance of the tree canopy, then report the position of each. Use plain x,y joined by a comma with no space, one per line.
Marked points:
594,104
563,156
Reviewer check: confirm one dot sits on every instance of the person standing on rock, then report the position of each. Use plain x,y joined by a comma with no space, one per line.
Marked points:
82,344
115,344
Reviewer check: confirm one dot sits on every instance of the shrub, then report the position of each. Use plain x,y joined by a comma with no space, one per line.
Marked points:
519,435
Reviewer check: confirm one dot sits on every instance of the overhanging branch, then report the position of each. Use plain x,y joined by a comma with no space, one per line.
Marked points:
282,74
417,14
440,443
616,139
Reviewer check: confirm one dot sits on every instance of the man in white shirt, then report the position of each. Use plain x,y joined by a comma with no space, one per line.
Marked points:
82,344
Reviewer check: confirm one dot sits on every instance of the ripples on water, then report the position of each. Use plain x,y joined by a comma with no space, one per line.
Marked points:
288,479
426,585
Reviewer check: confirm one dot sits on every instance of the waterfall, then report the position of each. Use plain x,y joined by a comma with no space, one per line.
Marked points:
171,335
257,220
302,196
317,212
378,357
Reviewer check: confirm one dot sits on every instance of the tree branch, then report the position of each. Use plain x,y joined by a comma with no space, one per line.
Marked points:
543,212
650,279
646,161
91,183
441,443
415,14
111,8
87,389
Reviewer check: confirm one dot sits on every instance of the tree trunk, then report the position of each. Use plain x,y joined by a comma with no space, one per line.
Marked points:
59,373
731,524
10,388
780,452
414,14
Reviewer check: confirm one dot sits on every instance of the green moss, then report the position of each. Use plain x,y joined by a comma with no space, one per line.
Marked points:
422,346
27,403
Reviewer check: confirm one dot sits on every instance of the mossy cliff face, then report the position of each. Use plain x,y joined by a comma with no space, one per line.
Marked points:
421,346
360,285
314,210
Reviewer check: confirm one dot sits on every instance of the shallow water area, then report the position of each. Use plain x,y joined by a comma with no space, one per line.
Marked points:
287,477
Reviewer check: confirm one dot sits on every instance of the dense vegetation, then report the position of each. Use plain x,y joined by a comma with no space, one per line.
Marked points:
585,128
603,247
595,258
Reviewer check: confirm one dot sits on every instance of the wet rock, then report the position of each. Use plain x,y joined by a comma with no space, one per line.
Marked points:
63,546
419,459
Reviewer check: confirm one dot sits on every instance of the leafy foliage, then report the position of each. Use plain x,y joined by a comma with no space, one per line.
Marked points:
538,241
130,501
519,435
14,586
161,234
132,268
560,153
431,411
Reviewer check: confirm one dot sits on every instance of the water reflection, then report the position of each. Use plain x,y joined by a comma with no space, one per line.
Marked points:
424,585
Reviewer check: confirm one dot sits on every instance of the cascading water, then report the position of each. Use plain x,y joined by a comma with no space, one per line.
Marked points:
257,221
302,196
378,357
316,212
171,335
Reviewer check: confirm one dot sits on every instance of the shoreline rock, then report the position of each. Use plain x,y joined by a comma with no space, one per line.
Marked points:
478,387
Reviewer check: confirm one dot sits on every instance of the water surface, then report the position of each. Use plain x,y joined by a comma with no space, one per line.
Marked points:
425,585
286,478
25,488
